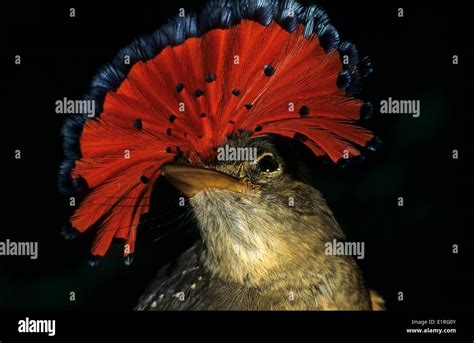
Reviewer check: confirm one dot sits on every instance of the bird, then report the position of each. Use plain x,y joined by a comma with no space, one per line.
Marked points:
263,76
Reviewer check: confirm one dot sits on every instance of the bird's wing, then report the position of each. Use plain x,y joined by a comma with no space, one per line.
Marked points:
178,285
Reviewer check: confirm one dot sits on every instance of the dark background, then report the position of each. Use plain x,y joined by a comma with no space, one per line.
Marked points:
408,249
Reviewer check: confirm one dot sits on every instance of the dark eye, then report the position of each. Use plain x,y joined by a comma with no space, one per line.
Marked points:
267,164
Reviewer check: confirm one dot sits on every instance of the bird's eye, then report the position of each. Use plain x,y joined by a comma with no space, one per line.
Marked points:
267,164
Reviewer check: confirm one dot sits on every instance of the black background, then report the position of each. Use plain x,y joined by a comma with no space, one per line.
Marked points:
408,249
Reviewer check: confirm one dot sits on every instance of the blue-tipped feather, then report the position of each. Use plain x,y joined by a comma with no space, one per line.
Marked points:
344,79
216,14
68,232
94,261
128,260
374,144
366,110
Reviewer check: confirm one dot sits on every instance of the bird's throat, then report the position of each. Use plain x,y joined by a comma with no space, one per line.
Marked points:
245,243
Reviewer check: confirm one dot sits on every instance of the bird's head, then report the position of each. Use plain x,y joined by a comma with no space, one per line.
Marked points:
255,215
188,87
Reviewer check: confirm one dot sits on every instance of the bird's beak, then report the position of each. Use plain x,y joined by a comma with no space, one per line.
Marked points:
190,179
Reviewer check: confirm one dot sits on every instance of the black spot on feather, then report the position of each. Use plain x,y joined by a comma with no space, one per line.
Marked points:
304,111
137,124
269,70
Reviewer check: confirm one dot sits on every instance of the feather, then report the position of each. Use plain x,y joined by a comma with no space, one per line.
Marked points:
264,67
